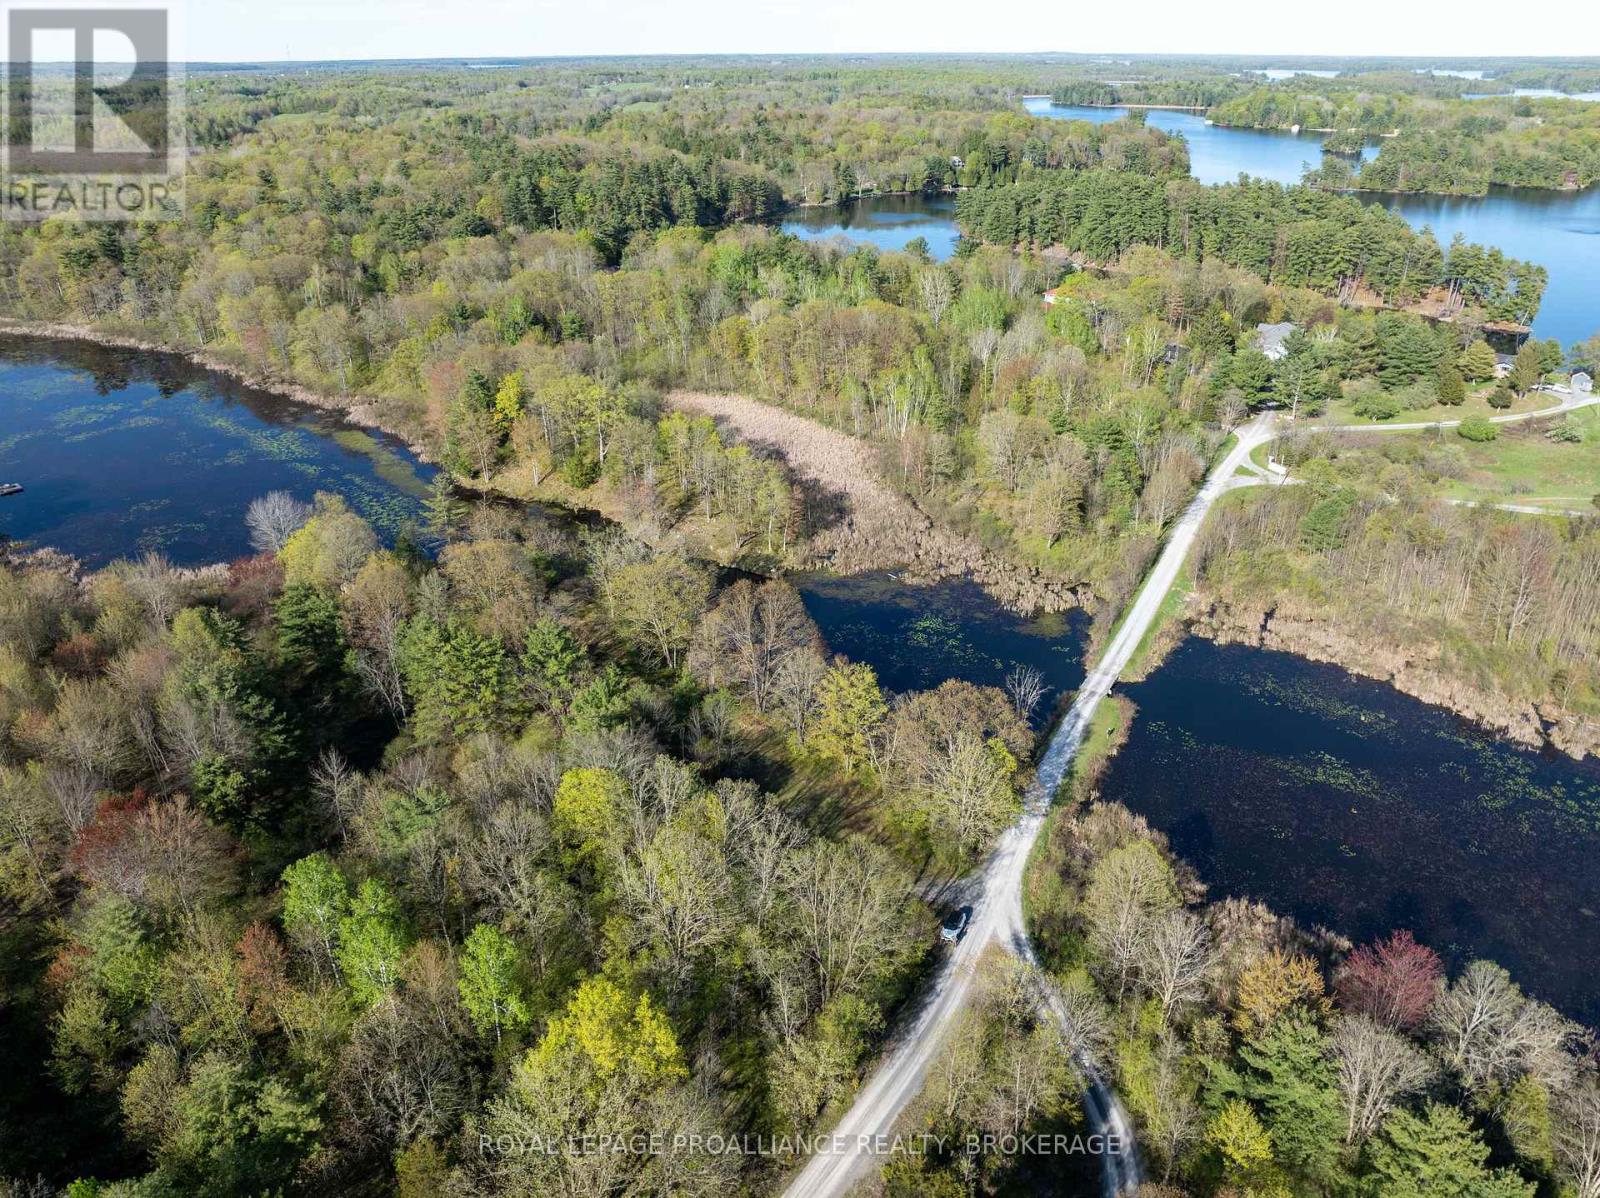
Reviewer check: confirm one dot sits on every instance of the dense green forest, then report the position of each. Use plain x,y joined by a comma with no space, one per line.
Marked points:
348,870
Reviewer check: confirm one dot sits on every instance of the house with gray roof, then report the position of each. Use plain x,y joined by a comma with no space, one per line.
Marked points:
1270,339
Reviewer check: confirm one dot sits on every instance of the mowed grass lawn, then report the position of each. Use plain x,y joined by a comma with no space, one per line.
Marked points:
1339,411
1522,465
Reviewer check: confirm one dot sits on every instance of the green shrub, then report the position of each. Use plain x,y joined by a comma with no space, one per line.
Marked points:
1477,428
1376,405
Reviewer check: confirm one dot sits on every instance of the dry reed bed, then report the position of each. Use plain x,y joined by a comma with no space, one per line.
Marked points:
879,528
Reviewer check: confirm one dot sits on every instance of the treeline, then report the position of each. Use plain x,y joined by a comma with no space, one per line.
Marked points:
1290,235
1446,145
1280,107
1469,161
1202,92
613,197
829,151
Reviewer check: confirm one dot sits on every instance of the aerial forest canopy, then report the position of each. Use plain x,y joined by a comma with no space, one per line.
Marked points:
1292,235
324,867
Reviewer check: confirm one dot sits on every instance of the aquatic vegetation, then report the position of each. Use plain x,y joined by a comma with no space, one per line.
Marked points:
159,466
1344,802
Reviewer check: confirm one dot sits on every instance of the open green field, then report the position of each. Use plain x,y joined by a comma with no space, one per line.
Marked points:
1340,410
1523,465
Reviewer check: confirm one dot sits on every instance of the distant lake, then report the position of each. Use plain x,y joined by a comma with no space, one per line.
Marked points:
123,452
1216,154
1534,93
1560,230
888,222
1341,801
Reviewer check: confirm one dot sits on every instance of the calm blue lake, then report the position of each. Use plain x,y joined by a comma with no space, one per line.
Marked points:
1558,230
123,452
886,222
1216,154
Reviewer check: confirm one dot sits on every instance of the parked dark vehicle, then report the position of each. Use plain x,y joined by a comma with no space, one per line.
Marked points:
955,925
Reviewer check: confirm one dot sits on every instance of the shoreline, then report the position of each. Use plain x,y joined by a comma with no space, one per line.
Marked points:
930,552
361,411
1412,670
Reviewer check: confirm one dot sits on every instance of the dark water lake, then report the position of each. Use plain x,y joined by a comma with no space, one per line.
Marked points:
1341,801
917,637
885,222
1332,798
123,452
1335,799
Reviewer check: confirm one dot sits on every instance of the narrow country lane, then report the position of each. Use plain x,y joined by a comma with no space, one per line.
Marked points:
997,909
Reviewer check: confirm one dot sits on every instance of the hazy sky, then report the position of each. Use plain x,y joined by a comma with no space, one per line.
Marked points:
246,30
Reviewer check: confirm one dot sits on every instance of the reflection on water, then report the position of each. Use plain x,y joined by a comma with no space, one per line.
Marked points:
1560,230
1337,800
1343,802
886,222
123,452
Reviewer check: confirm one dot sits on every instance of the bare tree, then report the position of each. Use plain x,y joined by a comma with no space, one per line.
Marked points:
1078,1012
679,890
1376,1066
1489,1031
1577,1137
795,690
942,758
937,290
504,872
76,793
850,907
745,640
155,583
398,1078
337,787
1172,1117
1027,688
1129,890
1174,960
273,519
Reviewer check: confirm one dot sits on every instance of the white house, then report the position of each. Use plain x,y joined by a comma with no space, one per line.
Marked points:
1581,383
1270,339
